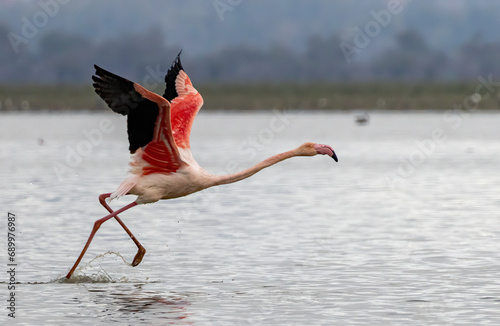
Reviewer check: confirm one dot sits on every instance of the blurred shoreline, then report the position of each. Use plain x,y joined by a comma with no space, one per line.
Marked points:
263,97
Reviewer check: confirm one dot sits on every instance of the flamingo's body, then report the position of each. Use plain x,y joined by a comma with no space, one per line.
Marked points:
162,166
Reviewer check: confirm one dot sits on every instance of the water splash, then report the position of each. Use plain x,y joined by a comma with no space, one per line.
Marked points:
99,276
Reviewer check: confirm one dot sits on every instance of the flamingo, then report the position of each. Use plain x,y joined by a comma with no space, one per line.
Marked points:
162,166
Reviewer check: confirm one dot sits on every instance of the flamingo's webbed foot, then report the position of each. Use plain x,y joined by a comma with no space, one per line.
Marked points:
138,257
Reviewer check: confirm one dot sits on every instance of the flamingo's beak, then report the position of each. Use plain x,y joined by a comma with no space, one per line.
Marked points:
325,150
334,156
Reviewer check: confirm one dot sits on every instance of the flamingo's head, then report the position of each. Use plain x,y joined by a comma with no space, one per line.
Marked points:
311,149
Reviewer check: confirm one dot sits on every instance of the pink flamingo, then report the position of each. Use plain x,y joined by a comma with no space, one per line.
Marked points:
162,165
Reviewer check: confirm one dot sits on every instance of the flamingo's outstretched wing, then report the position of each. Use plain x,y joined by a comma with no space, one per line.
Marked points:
185,102
148,120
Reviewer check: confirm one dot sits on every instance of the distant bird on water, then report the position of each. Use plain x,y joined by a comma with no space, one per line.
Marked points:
162,166
362,119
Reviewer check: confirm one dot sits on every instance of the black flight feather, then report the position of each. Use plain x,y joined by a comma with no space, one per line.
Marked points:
171,76
120,95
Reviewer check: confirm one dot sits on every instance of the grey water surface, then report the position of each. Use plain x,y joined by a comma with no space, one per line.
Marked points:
403,230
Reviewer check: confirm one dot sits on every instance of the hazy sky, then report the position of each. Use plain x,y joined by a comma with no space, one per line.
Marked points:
205,26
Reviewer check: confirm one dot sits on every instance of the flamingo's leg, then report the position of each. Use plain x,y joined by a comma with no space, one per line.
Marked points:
96,227
140,249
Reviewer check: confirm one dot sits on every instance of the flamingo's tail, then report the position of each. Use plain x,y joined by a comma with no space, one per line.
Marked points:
124,187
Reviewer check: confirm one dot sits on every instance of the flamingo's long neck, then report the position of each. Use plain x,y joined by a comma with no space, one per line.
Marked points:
234,177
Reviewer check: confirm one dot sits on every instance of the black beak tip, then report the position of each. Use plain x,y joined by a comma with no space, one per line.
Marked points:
334,156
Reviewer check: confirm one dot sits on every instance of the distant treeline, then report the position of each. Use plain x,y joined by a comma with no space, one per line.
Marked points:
60,58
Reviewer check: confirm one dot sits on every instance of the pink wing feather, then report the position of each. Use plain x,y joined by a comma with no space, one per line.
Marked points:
184,109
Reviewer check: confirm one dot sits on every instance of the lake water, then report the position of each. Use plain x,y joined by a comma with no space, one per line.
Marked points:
403,230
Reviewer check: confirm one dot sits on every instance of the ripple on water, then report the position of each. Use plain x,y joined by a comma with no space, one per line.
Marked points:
307,242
